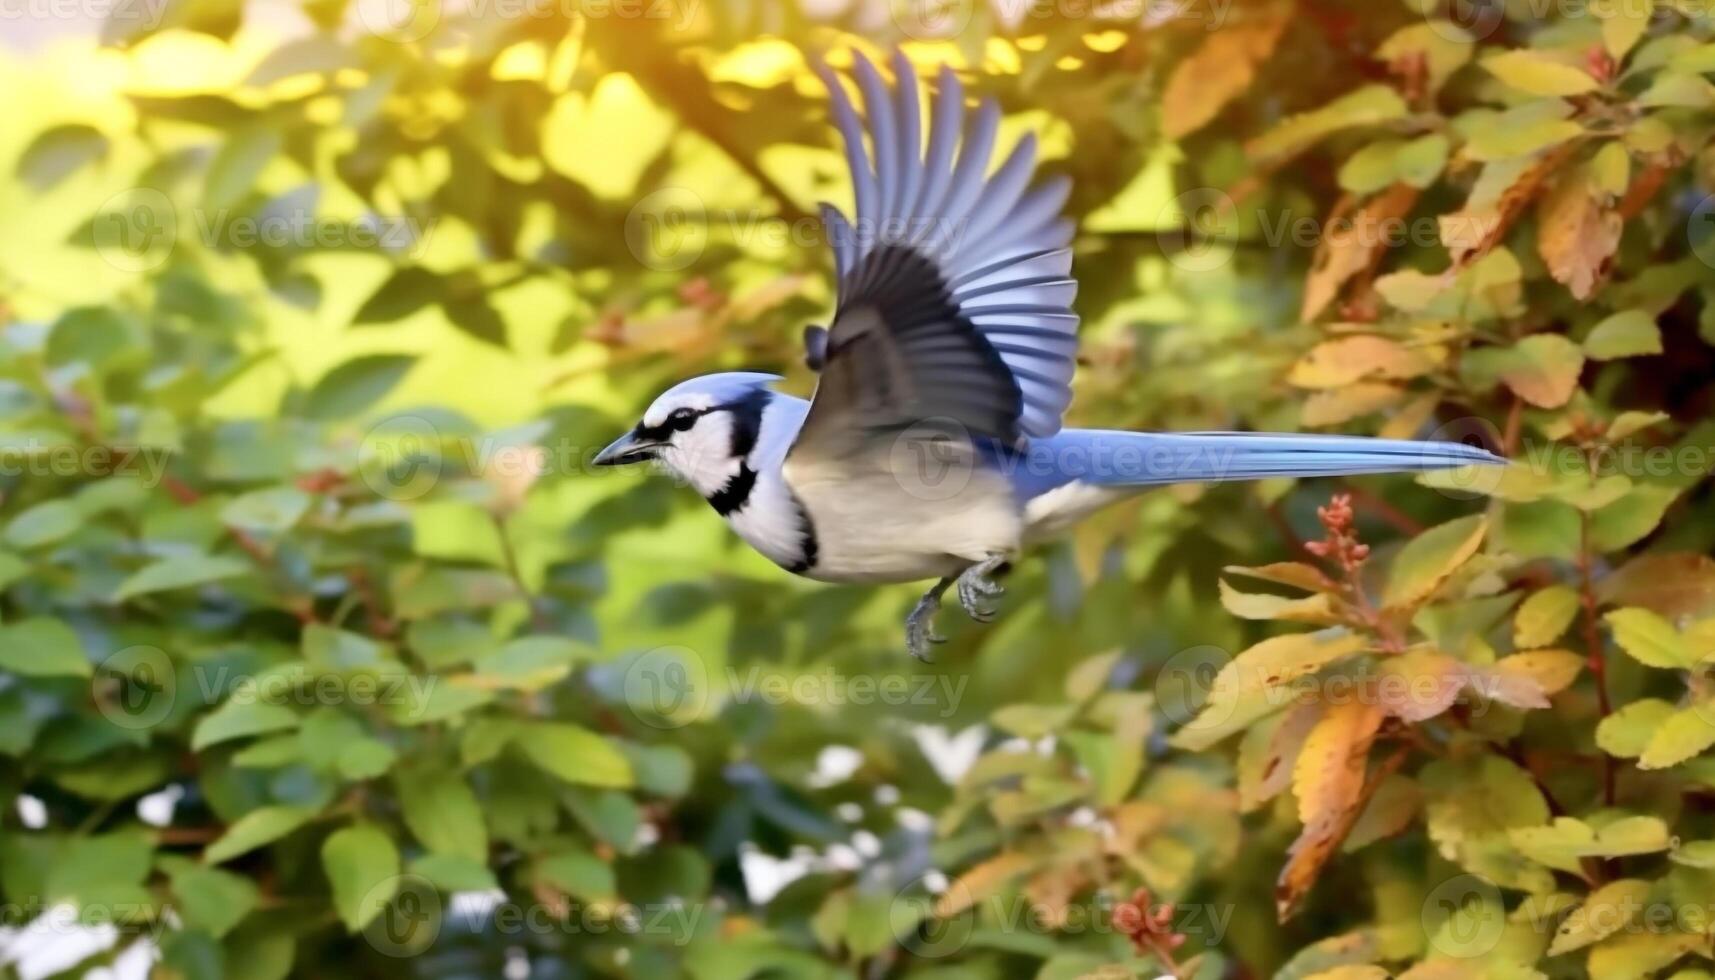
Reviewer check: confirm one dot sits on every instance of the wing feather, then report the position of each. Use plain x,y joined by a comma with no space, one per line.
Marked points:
954,282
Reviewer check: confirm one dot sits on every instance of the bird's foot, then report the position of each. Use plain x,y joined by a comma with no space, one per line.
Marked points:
920,625
976,587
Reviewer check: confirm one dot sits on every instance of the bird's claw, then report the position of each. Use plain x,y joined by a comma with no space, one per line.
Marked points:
976,588
920,626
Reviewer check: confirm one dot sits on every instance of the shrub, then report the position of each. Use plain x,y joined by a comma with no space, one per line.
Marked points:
305,355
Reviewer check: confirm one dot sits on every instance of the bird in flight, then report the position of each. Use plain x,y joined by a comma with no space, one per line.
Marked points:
933,446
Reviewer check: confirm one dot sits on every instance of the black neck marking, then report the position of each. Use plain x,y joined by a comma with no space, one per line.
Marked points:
735,493
747,419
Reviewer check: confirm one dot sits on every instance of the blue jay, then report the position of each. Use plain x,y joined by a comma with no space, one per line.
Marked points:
933,446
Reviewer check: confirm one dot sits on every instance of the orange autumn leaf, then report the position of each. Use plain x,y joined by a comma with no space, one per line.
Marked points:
1221,69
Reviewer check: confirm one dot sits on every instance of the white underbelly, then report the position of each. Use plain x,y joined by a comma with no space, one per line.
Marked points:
871,528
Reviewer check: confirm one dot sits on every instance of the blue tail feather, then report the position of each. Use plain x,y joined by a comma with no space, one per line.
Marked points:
1105,457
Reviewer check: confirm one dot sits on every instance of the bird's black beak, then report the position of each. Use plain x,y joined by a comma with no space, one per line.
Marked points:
628,448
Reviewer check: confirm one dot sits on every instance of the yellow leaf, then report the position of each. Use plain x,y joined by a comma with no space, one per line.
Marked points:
1316,608
1608,910
1552,670
1431,558
1328,775
1623,23
1294,573
1351,243
1684,734
1269,750
1649,639
1328,779
1628,731
1634,955
1344,360
1538,73
1336,405
1543,369
1251,684
1351,971
1221,68
1576,236
982,882
1544,616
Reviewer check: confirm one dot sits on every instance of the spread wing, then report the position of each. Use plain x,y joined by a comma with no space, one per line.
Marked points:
954,287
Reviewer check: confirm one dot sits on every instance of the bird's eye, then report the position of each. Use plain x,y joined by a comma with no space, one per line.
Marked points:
681,419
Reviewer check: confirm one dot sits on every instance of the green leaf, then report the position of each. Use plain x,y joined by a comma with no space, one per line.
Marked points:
452,873
365,758
1431,558
211,899
269,511
1629,333
579,874
1565,842
1627,732
180,572
354,387
241,719
529,663
362,864
341,649
42,647
1649,639
1543,617
1628,520
263,825
575,754
1682,735
442,812
408,290
44,524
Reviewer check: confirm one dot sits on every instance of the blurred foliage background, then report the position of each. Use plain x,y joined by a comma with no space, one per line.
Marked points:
323,652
